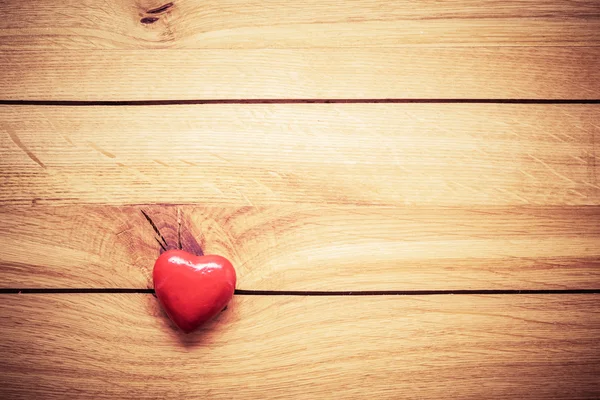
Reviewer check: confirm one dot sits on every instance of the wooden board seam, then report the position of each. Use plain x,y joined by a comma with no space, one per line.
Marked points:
117,103
331,293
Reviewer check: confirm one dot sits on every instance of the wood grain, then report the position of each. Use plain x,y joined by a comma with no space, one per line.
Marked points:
370,154
307,247
305,197
121,346
71,24
433,73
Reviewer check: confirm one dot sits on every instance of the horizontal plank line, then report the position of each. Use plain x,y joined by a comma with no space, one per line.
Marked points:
246,292
411,292
290,101
348,47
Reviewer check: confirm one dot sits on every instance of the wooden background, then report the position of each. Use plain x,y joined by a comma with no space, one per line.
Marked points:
386,176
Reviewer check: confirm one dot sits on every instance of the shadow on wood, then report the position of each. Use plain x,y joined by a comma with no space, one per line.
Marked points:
188,340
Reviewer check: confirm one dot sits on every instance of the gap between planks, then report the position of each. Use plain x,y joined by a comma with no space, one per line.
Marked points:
337,293
96,103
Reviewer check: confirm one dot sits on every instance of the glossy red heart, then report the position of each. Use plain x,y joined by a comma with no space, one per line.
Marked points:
193,289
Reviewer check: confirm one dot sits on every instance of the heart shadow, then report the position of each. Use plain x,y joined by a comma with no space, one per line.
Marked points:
203,336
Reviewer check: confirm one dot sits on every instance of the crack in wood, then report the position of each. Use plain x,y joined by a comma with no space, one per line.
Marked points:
166,245
179,229
160,9
148,20
160,244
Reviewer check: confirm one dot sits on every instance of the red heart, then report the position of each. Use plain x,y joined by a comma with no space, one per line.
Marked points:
193,289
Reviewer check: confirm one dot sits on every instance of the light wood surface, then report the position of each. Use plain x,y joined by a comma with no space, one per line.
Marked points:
307,247
75,24
436,194
433,73
353,154
121,346
276,50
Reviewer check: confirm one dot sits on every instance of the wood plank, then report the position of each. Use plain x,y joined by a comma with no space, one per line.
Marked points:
74,24
467,347
371,154
307,247
432,73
